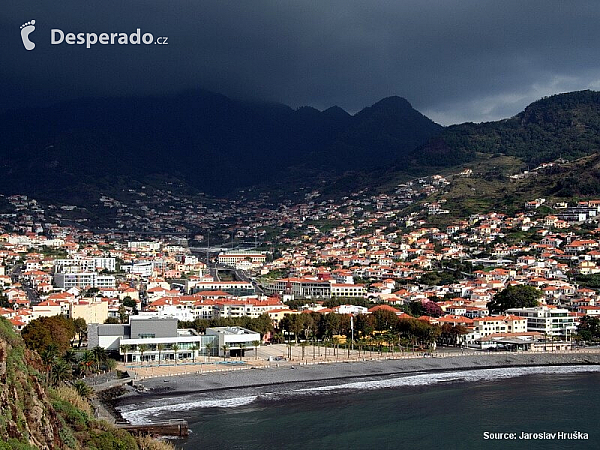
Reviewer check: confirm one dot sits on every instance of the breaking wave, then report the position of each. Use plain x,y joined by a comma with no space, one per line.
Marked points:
142,413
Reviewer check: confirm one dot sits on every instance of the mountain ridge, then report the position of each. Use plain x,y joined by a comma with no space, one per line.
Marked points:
214,143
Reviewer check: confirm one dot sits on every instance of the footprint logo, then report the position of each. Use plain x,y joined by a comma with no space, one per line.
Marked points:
26,29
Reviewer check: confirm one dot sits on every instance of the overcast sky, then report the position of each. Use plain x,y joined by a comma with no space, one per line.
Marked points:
454,60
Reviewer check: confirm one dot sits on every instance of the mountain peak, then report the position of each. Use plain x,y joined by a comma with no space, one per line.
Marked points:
394,106
336,111
393,101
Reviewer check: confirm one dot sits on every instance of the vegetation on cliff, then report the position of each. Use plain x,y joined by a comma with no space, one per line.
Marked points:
35,416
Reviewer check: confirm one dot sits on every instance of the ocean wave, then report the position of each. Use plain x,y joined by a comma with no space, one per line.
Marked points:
448,377
136,414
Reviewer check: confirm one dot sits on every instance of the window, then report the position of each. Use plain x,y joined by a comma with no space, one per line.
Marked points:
147,335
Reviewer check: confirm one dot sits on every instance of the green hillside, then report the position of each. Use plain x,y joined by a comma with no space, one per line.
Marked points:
35,416
561,126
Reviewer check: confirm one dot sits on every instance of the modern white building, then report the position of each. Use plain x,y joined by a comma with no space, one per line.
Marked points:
553,322
83,280
300,287
75,265
159,339
237,288
142,269
143,246
234,340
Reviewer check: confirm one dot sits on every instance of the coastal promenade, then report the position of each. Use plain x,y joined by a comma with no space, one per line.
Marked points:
277,357
257,376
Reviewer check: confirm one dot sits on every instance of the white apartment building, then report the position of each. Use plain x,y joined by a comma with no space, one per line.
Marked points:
83,280
73,265
545,320
348,290
300,287
143,246
486,326
142,269
240,260
237,288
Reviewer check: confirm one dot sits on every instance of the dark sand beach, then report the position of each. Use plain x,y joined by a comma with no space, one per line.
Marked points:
258,378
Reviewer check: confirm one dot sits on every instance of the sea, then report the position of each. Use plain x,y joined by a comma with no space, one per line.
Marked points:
549,407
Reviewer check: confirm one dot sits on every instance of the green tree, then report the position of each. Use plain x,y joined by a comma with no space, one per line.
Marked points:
160,348
256,343
83,389
59,372
128,302
225,349
42,332
589,328
142,348
519,296
175,349
110,364
194,350
80,330
100,356
125,348
49,356
87,361
384,319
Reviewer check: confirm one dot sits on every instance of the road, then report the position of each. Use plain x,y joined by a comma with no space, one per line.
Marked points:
17,276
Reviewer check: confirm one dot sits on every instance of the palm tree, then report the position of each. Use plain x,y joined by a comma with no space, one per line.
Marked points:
70,356
194,349
100,356
160,348
303,344
80,329
87,360
60,372
256,344
209,347
175,349
336,346
242,348
110,364
225,349
142,348
82,389
48,357
125,348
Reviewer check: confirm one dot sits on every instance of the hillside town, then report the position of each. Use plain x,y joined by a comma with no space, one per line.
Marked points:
362,255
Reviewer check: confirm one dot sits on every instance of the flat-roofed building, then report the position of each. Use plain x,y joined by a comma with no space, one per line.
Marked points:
234,340
546,320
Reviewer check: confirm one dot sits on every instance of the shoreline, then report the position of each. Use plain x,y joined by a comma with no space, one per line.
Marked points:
255,379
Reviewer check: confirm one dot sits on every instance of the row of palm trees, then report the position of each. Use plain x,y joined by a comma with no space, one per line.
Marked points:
72,364
383,343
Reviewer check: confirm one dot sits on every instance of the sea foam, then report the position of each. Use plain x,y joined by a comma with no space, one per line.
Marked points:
137,414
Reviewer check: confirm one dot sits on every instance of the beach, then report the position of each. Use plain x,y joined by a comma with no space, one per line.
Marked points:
254,378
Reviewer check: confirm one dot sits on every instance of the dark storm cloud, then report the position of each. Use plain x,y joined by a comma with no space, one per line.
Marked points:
454,60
